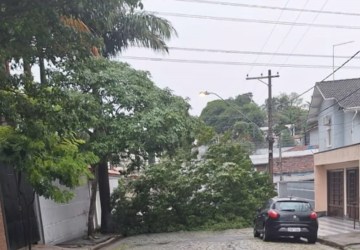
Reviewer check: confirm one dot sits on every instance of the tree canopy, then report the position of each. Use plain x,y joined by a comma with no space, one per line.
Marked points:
240,117
220,192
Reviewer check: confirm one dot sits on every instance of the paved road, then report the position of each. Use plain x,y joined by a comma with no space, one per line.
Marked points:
229,239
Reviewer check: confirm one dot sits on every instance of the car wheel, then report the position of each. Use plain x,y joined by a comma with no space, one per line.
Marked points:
256,233
312,239
266,236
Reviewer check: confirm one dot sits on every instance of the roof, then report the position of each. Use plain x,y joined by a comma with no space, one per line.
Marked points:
345,92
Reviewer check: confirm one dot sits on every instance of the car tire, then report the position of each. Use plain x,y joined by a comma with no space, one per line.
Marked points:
266,236
312,239
256,233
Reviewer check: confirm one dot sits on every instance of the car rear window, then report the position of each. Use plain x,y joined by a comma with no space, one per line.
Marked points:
292,206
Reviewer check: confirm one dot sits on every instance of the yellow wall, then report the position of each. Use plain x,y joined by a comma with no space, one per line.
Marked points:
341,159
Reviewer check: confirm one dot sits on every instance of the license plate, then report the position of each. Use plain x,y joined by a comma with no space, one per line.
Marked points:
294,229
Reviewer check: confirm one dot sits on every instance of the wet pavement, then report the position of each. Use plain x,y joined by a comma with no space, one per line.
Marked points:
333,234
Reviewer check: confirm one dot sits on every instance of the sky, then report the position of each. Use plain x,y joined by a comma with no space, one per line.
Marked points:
255,26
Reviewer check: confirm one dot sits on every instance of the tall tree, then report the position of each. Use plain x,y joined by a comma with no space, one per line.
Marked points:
133,118
289,109
240,117
54,32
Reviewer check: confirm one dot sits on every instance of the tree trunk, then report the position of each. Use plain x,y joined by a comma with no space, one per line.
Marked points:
42,70
104,190
7,73
27,68
94,182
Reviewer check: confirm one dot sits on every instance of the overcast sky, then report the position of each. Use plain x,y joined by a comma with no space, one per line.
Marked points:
229,79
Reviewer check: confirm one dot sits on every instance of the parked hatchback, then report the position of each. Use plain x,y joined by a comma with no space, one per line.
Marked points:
286,217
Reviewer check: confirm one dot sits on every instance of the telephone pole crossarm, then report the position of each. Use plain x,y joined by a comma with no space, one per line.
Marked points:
262,77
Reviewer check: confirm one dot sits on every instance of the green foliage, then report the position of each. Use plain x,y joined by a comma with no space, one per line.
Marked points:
289,109
223,191
46,160
129,113
240,117
204,134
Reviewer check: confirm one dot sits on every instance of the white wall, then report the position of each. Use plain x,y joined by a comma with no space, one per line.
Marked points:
63,222
113,182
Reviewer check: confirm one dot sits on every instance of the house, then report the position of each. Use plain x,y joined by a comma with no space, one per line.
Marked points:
334,125
293,170
294,164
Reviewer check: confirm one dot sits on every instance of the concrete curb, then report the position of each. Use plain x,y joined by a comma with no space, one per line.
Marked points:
330,243
107,243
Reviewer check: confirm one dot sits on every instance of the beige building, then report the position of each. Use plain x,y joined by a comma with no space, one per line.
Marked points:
335,127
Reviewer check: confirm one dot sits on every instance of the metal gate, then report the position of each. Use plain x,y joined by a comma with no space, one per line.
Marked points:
18,197
352,193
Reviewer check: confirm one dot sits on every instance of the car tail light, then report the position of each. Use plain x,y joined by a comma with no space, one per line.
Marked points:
273,214
313,216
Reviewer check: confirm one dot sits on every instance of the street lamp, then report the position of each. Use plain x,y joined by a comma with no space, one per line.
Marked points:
333,55
205,93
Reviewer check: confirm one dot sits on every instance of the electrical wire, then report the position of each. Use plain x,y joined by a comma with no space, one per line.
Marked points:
245,20
270,7
193,61
289,31
268,38
254,52
305,33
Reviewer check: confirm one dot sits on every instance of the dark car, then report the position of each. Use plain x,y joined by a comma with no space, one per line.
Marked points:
286,217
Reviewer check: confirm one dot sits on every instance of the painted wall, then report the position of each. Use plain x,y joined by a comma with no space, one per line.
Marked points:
345,127
328,111
63,222
314,136
113,182
339,159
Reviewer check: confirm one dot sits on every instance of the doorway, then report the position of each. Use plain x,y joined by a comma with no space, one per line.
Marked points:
335,180
352,193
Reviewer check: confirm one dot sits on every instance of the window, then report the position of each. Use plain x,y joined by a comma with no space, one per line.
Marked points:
328,136
328,131
293,206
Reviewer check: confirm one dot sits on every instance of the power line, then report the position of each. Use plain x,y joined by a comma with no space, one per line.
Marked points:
341,66
246,52
245,20
305,33
269,36
288,32
193,61
271,7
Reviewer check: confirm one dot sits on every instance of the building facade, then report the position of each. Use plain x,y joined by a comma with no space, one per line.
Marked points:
334,123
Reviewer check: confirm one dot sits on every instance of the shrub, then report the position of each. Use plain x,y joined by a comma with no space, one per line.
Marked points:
222,191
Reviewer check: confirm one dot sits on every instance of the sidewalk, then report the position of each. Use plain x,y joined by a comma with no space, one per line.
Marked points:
98,242
342,241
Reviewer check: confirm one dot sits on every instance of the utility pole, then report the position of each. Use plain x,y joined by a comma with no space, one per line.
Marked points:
280,157
270,136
